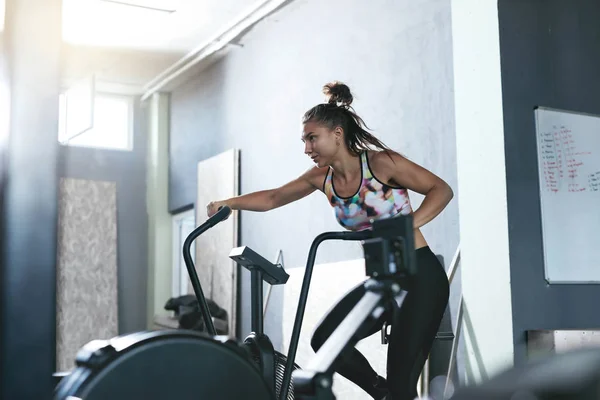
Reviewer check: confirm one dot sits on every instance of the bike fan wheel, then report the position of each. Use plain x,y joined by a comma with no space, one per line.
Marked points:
280,362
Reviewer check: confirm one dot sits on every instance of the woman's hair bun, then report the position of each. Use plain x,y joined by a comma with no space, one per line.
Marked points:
338,93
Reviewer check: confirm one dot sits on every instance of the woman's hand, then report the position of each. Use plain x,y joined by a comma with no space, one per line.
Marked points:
213,207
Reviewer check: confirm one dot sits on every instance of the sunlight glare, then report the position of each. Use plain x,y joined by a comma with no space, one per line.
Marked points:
102,23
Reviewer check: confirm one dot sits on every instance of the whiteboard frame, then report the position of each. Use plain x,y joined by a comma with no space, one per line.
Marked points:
540,190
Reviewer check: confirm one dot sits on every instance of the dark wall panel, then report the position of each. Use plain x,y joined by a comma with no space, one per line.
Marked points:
550,55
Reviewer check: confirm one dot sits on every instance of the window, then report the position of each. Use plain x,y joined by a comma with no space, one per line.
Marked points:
105,122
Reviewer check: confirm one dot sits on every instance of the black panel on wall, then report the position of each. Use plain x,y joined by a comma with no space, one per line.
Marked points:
550,56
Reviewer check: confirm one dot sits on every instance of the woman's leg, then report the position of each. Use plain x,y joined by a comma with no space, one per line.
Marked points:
415,325
351,364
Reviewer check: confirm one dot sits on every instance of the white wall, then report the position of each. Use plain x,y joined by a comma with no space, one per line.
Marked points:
487,325
116,70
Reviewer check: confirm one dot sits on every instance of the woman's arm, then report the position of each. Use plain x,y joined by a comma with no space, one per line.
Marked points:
266,200
402,172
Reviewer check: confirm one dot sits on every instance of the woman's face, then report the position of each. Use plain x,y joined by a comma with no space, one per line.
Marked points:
321,144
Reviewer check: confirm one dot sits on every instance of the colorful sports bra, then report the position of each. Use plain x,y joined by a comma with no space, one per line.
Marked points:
372,201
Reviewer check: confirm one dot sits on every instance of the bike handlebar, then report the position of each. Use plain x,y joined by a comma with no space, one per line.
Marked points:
221,215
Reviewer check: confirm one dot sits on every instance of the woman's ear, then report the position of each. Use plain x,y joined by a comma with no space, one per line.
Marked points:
338,132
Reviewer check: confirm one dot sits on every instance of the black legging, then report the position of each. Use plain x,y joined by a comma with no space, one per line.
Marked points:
414,327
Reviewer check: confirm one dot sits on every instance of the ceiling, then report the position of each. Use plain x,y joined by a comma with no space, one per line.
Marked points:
125,44
150,25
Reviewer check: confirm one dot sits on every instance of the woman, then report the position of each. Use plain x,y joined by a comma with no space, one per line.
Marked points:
363,185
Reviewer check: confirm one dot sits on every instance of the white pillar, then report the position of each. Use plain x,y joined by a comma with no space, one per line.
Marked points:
485,269
159,219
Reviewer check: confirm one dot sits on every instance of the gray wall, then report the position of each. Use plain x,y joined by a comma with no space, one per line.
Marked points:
550,57
397,59
128,170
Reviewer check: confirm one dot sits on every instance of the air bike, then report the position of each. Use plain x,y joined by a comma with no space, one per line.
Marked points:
184,364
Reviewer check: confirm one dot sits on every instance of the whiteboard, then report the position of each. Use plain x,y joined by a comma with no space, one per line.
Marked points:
569,173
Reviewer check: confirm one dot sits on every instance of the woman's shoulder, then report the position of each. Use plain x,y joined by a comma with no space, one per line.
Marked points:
316,176
384,165
382,158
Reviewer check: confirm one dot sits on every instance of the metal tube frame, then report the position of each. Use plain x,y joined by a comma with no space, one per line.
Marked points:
256,293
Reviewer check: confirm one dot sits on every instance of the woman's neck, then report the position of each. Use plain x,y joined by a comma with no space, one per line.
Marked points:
346,166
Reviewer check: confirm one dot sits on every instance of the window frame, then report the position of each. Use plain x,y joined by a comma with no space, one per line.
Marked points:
129,100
